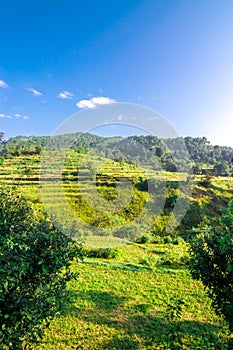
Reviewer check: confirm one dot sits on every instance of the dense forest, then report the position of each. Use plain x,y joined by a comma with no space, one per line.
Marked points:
193,154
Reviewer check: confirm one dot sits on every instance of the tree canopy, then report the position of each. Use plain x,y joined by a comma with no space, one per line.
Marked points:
212,263
35,260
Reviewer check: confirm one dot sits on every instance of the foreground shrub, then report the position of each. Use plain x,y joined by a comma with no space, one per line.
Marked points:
212,263
35,263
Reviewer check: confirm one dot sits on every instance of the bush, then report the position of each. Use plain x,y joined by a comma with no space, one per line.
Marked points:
35,263
149,261
206,181
156,238
178,240
145,238
168,239
104,253
175,255
212,263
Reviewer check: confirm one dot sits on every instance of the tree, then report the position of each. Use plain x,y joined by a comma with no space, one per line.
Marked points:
1,142
35,260
206,180
197,169
212,263
38,149
221,169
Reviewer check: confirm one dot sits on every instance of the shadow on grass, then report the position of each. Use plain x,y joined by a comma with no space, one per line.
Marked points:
138,327
103,300
120,266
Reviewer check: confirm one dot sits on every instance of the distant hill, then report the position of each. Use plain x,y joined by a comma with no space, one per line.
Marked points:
174,154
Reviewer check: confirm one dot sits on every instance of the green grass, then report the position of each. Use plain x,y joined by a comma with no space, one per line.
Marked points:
115,306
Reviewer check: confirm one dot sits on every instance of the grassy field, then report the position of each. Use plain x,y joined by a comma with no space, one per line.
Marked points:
121,304
126,302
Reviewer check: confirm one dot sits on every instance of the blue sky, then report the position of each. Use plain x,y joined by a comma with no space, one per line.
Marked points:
174,56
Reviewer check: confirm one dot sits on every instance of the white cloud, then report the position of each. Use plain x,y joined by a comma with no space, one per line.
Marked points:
22,116
94,102
102,100
66,95
5,116
15,116
120,117
85,104
3,85
35,92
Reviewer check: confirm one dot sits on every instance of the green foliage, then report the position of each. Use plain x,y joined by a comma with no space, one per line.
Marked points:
149,149
117,305
174,312
168,239
145,238
212,263
32,145
201,151
162,226
150,261
221,169
104,253
35,263
206,181
197,169
194,216
114,307
174,309
175,255
1,136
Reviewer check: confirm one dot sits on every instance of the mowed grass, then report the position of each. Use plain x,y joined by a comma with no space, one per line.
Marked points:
115,306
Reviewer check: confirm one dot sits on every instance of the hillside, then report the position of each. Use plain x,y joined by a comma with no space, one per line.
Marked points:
171,154
124,297
207,199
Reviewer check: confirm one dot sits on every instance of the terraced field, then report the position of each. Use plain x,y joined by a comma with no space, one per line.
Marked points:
70,186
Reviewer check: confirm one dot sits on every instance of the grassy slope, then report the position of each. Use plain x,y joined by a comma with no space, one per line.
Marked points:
24,171
116,307
124,305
